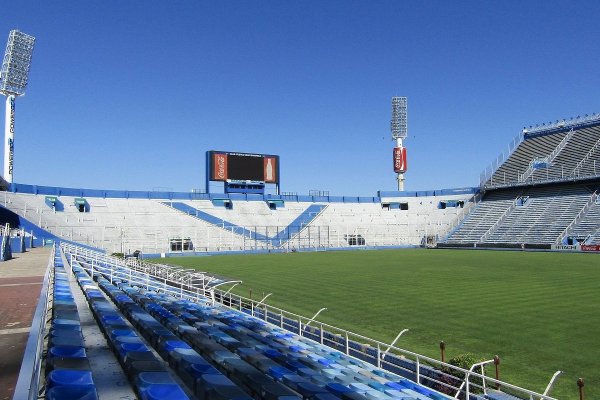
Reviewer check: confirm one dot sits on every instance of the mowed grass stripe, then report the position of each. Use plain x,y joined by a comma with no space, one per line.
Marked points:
538,311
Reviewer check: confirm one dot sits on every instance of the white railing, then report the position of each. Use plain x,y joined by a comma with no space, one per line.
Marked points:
501,219
425,370
580,164
573,122
503,156
464,213
577,218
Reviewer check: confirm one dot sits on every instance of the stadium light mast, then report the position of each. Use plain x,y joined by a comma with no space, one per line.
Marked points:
13,80
399,128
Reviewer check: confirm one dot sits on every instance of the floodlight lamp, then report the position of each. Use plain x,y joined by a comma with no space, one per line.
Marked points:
399,126
16,63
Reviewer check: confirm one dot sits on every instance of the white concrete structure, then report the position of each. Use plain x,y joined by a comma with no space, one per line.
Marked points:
125,225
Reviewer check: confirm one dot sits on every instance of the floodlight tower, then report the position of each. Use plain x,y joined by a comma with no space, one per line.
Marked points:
13,80
399,128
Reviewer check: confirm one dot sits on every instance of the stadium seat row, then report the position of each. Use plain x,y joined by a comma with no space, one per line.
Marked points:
202,372
299,359
147,373
68,372
262,358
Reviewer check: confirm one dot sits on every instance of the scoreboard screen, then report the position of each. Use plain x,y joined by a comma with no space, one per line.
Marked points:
229,166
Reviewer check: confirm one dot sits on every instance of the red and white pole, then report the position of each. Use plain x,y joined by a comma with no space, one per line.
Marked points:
400,165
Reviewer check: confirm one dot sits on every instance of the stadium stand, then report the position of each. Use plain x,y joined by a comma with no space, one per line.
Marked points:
217,353
564,153
484,216
156,223
535,215
544,193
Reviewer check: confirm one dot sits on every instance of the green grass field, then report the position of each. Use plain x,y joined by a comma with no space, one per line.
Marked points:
540,312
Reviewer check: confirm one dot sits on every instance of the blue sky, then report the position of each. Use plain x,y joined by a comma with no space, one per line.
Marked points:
130,94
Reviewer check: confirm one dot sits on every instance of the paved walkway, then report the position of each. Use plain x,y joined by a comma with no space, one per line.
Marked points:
20,285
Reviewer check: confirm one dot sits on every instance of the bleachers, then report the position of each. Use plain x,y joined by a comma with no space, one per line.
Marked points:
148,225
534,215
484,216
565,164
68,371
511,170
544,216
579,158
588,227
219,353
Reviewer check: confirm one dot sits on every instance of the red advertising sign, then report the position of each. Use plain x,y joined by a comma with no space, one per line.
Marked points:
270,169
590,247
400,159
219,167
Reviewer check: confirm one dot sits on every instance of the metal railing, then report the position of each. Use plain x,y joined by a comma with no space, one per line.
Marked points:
464,213
562,124
421,369
27,387
577,218
499,221
580,164
490,170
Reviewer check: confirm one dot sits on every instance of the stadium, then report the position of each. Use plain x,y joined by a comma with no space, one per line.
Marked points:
243,291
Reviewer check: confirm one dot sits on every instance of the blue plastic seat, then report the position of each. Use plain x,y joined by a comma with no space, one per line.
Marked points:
127,339
337,388
111,317
395,385
375,395
67,351
72,393
217,386
163,392
197,370
67,377
277,373
75,341
296,349
63,324
122,332
146,379
378,386
125,348
360,387
325,396
171,345
325,361
66,333
309,390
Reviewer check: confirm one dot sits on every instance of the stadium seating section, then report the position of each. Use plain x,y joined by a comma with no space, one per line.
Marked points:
533,215
176,348
148,225
545,193
562,156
